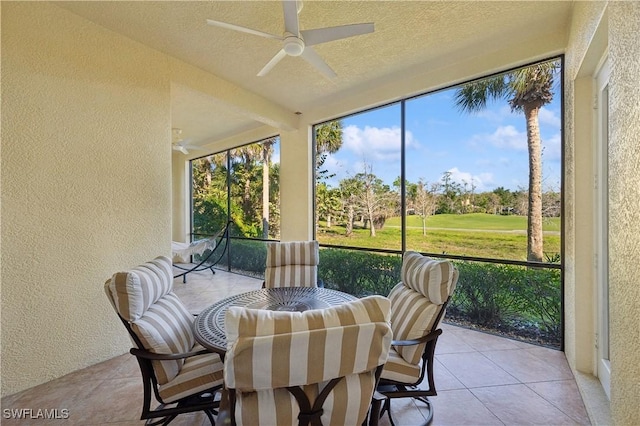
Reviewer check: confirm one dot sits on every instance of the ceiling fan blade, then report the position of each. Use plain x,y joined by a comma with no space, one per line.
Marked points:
290,9
242,29
323,35
314,59
272,63
180,148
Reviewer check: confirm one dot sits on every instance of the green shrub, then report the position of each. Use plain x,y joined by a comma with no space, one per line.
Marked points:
487,294
247,256
508,299
541,299
519,301
358,272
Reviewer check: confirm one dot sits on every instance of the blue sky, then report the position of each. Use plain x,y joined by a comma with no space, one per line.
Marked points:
487,149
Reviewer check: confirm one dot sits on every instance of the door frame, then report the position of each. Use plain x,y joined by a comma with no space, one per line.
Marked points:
601,198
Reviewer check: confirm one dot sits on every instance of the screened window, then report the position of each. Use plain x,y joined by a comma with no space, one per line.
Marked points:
241,184
454,172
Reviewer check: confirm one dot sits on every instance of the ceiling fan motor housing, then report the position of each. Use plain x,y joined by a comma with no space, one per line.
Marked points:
293,46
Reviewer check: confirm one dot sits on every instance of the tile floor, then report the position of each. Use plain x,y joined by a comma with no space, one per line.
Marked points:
481,379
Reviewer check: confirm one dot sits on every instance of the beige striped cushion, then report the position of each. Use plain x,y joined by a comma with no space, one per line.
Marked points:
400,370
271,350
166,328
198,374
143,296
431,278
415,302
292,264
134,291
347,404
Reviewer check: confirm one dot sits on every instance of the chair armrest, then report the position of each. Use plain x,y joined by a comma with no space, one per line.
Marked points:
142,353
426,338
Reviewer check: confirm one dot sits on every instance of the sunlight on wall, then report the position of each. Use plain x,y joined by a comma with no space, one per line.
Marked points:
86,185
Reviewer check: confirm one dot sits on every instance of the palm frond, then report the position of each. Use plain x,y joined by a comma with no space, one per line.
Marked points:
475,95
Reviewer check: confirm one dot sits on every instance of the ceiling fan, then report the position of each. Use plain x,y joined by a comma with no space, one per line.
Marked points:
297,42
180,144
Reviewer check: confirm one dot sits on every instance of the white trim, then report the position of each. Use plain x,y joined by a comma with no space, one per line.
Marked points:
601,195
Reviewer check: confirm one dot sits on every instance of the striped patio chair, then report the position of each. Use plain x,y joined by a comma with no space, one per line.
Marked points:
292,264
318,367
418,305
181,374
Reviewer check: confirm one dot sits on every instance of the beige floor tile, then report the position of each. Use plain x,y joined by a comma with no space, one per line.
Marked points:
564,395
443,378
519,405
460,407
475,370
100,407
405,412
450,342
481,341
526,367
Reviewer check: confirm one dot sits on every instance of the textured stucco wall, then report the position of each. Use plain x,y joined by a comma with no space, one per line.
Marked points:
624,212
620,22
86,185
296,205
180,198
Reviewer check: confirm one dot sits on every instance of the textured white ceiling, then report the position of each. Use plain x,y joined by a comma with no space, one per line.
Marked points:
408,35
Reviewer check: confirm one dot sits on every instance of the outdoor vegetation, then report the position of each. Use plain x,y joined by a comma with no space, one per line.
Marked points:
505,241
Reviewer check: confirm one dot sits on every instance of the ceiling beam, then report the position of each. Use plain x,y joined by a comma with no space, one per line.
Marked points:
235,98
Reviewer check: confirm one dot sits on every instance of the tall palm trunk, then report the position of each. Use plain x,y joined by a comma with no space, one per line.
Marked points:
534,215
246,198
265,190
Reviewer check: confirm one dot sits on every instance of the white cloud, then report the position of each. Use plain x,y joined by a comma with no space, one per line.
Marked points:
546,116
505,137
375,143
551,148
495,115
333,166
482,181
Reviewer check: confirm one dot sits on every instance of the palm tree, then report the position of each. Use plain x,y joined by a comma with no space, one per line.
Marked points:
329,137
328,140
527,90
267,151
246,156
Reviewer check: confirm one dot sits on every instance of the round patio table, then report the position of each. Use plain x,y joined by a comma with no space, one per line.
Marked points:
209,324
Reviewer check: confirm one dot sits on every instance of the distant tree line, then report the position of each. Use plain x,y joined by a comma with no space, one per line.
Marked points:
366,199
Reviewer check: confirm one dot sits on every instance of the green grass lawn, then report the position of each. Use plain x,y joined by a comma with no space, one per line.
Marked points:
481,221
477,235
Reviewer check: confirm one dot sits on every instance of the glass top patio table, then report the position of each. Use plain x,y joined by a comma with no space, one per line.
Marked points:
209,324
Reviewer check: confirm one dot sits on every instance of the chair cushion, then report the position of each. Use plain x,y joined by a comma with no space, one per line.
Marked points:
293,253
134,291
292,264
412,316
417,300
291,276
270,350
347,404
399,370
166,328
198,374
431,278
143,296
